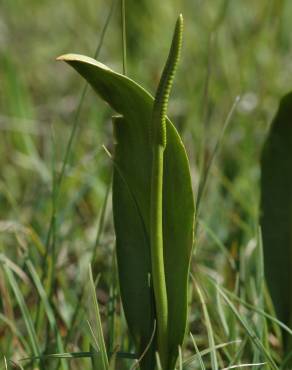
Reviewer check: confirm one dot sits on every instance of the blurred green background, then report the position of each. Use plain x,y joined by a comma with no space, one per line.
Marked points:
231,48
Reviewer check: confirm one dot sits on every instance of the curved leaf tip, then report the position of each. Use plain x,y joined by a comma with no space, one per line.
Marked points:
68,58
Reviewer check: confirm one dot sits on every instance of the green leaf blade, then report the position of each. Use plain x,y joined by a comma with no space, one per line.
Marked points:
276,208
131,194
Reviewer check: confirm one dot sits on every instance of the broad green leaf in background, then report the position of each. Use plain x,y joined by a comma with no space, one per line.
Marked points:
131,203
276,208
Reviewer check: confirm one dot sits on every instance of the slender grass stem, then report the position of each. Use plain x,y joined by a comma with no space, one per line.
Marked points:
124,36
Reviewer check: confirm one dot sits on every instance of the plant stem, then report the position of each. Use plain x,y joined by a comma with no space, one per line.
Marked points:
158,141
157,259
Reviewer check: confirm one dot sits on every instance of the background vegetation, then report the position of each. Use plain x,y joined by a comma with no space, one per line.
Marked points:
231,48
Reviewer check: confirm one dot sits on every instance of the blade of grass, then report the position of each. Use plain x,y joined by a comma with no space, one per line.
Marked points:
158,362
72,355
15,268
94,347
5,363
243,365
208,327
180,358
201,362
103,362
221,314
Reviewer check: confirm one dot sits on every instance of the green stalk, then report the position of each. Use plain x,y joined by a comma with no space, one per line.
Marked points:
124,36
157,260
158,141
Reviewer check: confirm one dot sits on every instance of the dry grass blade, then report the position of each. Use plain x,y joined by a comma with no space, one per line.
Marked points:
243,365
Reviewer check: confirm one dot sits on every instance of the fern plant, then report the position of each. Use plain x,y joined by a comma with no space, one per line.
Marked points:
153,207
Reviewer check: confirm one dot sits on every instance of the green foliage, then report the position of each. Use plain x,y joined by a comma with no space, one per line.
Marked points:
276,207
230,47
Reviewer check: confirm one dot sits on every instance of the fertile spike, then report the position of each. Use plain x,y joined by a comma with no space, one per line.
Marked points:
158,142
158,125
